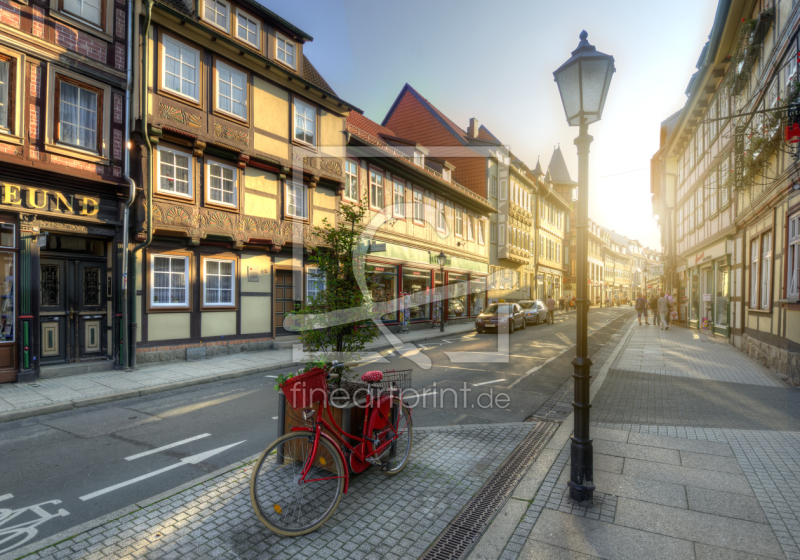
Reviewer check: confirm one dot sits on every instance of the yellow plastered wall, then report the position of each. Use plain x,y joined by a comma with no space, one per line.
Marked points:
256,272
218,323
331,134
324,201
272,114
257,203
256,275
168,326
256,315
793,325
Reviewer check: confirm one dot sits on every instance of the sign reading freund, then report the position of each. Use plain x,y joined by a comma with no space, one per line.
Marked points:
47,200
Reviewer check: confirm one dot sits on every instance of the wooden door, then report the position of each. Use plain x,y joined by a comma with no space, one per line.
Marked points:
286,292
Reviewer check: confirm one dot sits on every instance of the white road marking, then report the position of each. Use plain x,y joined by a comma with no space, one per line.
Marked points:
487,382
274,417
6,497
537,368
272,376
170,446
193,460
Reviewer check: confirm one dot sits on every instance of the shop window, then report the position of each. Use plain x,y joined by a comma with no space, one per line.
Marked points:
296,200
766,270
376,190
350,180
168,281
221,181
285,50
180,65
419,207
305,122
7,281
399,199
793,261
457,291
315,284
248,28
231,91
417,284
382,285
216,12
174,172
219,282
78,116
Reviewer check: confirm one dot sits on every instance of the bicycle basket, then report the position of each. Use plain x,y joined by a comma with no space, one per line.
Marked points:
301,391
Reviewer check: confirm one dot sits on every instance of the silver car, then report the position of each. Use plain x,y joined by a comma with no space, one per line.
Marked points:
535,311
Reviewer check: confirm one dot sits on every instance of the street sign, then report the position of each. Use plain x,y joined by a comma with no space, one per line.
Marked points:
41,241
377,248
657,270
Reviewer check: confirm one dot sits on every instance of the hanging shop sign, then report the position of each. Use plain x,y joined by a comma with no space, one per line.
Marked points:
738,155
47,200
793,124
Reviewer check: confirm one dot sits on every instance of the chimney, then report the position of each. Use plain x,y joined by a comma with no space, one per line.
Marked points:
474,126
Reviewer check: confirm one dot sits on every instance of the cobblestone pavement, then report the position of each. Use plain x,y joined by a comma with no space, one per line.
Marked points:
380,517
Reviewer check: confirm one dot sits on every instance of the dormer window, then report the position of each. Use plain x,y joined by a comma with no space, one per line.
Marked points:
248,29
216,12
419,159
285,50
446,174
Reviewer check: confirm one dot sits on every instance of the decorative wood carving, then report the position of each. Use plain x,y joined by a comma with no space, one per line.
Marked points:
178,115
228,133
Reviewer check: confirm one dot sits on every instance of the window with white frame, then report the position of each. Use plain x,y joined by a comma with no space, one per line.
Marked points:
89,10
285,50
174,172
446,174
470,236
479,224
754,273
169,287
766,270
399,199
78,123
296,204
419,158
493,232
724,188
493,187
458,224
305,122
441,220
248,28
419,206
503,189
350,180
7,69
315,284
713,193
503,235
216,12
218,282
221,181
376,190
231,90
180,65
793,264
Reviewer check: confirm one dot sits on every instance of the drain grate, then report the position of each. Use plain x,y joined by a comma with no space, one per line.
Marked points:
456,541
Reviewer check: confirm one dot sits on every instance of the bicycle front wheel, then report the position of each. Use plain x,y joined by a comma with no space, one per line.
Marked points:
399,429
286,503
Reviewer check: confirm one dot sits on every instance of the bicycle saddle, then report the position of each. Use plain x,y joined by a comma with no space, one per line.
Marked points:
372,376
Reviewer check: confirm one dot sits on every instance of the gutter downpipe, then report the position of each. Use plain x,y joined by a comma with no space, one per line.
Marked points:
147,179
131,195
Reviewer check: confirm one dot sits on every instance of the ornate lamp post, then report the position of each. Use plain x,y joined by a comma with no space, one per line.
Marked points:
583,82
442,258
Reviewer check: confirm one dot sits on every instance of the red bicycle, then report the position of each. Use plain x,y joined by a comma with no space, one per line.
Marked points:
300,478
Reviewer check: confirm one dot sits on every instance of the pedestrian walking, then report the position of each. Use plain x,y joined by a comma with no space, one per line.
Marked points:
551,309
641,309
663,311
671,307
654,308
561,304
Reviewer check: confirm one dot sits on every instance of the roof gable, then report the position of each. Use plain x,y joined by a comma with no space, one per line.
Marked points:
410,105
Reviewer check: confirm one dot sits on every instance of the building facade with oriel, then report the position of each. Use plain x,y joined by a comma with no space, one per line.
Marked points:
242,145
420,211
63,78
552,227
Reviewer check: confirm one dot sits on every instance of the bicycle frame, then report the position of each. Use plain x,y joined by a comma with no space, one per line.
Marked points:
338,432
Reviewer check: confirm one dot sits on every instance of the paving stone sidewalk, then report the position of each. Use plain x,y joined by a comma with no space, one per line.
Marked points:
697,456
18,400
380,517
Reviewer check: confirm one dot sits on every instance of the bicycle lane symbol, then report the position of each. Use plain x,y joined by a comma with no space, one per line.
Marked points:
25,520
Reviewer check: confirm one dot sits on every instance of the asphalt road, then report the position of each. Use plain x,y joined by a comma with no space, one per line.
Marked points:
99,459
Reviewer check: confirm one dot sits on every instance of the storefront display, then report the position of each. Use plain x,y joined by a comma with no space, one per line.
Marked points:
417,284
382,285
721,300
477,287
457,291
694,303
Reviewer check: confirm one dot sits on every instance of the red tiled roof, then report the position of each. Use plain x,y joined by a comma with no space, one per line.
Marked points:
367,125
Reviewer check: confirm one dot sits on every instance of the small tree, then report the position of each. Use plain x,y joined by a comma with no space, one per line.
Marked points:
336,332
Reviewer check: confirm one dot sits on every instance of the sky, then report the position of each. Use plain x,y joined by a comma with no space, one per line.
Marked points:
494,61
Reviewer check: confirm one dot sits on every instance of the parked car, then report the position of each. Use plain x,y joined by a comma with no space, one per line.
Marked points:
500,316
535,311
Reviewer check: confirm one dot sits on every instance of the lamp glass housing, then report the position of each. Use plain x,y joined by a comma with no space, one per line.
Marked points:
442,259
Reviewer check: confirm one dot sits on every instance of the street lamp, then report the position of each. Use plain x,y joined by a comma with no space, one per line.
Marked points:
583,82
442,258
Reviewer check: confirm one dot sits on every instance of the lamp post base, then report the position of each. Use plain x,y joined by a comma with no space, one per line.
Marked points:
581,483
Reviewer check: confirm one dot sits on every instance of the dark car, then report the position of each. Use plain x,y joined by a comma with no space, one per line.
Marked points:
500,316
535,311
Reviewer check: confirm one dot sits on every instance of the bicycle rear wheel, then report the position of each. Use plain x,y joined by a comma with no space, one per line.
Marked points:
395,458
285,504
